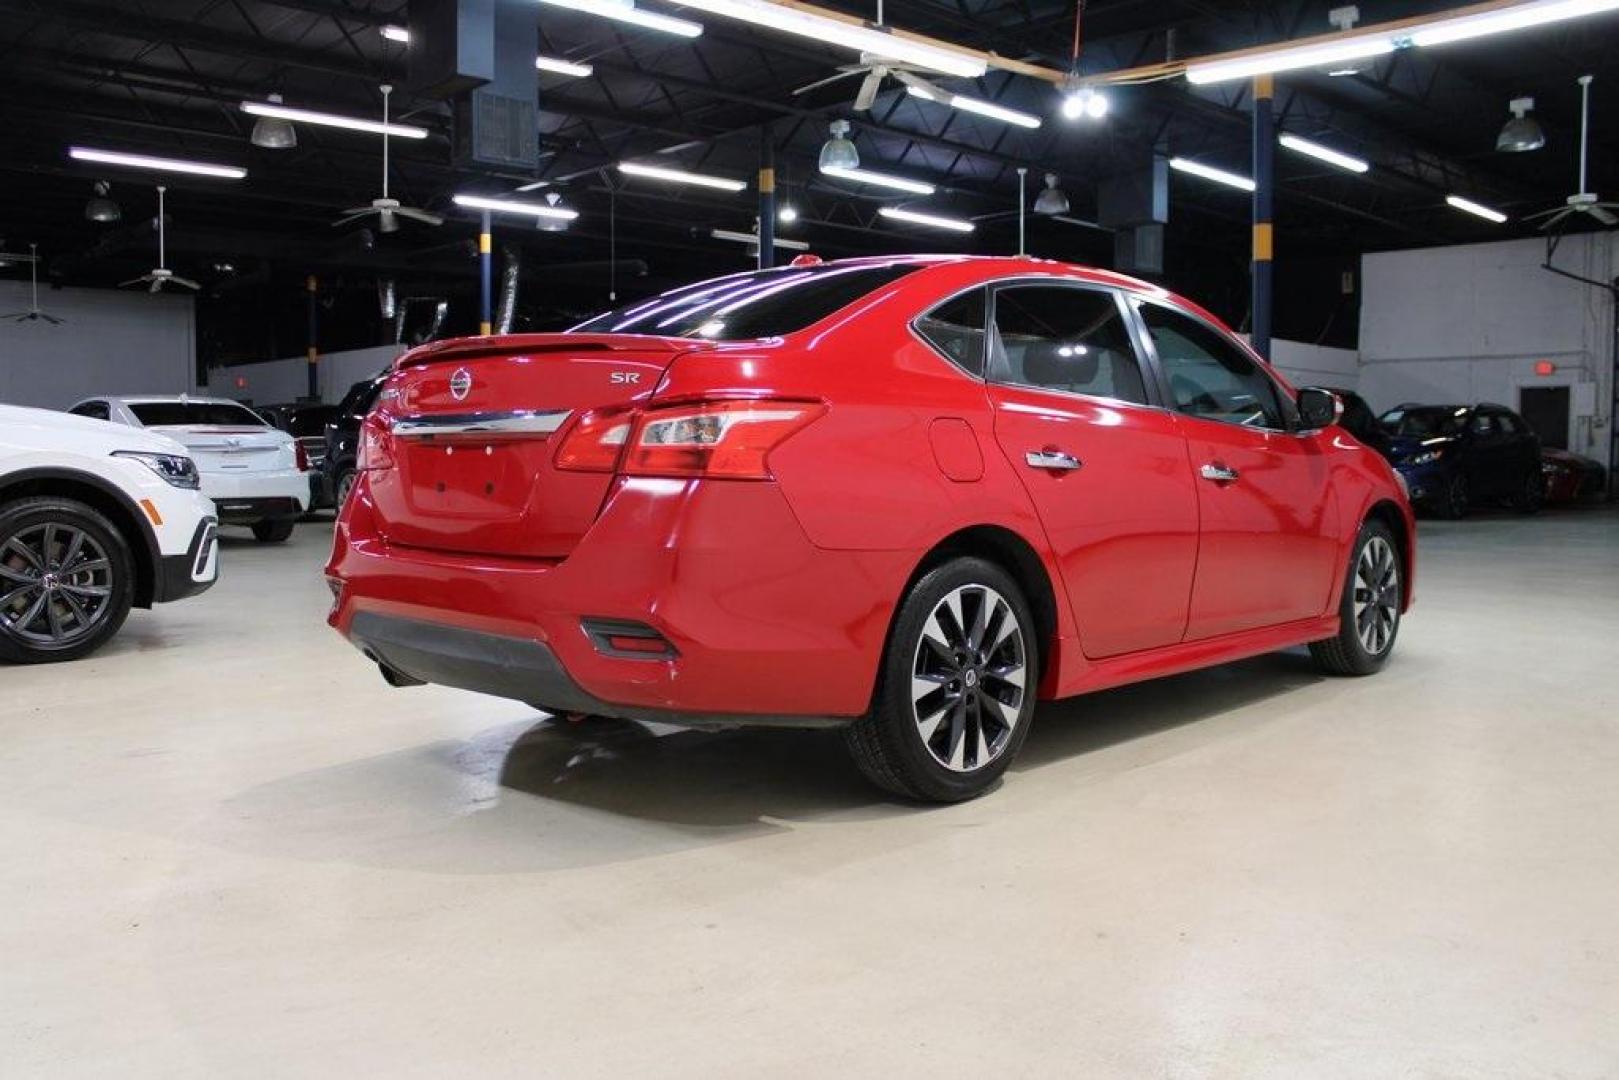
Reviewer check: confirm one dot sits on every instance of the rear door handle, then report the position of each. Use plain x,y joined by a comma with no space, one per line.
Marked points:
1052,458
1220,474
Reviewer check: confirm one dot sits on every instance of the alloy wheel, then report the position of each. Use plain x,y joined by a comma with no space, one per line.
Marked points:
55,584
968,678
1377,596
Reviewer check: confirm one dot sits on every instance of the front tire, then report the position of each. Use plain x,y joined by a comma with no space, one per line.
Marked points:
275,531
67,580
956,691
1454,501
1369,612
1533,495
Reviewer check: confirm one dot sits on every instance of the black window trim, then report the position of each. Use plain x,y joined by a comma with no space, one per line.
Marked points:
1289,406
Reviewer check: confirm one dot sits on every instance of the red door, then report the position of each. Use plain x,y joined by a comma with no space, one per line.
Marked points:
1107,471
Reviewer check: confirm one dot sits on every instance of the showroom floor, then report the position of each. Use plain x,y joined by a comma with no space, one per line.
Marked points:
231,849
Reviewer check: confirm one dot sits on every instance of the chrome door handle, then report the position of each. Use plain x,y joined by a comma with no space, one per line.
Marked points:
1052,459
1220,474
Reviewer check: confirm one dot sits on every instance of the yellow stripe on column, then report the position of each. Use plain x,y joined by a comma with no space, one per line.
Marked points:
1265,86
310,352
1263,242
485,329
485,243
767,179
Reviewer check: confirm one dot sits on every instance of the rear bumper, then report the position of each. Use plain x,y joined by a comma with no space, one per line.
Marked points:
765,627
250,511
243,498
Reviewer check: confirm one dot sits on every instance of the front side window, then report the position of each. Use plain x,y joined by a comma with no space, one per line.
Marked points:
956,329
761,304
1210,377
204,413
1065,338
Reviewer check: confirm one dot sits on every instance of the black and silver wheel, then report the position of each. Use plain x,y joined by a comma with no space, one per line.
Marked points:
274,530
1369,613
1533,495
1454,500
957,689
66,581
345,484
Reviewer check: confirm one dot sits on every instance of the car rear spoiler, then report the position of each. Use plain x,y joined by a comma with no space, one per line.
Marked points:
473,348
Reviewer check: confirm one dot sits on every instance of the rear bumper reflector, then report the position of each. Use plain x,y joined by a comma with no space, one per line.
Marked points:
628,640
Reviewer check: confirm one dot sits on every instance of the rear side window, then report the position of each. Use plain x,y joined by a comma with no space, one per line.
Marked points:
765,303
95,410
179,413
956,329
1055,337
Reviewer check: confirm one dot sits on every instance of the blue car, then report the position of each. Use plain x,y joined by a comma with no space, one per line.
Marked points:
1455,457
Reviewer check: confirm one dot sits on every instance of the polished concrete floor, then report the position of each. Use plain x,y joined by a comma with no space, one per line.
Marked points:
231,850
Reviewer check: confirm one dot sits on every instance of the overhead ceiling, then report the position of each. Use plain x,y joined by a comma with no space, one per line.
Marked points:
167,76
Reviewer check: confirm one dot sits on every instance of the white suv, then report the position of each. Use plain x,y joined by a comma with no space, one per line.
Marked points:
94,519
256,475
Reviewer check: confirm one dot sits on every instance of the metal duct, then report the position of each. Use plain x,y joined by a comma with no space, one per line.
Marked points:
510,273
387,299
441,308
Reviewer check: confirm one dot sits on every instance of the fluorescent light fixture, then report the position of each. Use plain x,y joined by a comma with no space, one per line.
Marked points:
931,220
881,179
864,39
558,66
979,106
1476,209
146,161
626,11
350,123
1209,172
513,206
680,176
1322,153
396,33
1284,59
750,238
1516,17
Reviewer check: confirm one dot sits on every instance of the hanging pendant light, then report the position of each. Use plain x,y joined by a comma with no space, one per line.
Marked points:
1051,200
272,132
1522,132
100,208
839,151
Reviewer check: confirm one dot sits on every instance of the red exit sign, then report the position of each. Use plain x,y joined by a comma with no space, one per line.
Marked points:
1545,367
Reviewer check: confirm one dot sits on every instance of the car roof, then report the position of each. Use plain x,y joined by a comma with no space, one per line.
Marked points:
166,399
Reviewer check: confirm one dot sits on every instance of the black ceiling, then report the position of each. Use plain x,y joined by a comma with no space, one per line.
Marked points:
166,77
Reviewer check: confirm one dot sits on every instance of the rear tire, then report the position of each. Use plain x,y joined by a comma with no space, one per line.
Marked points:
956,690
1533,495
67,580
274,531
345,484
1369,612
1453,501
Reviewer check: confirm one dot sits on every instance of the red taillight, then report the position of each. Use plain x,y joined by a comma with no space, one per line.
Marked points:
300,456
376,445
596,441
716,438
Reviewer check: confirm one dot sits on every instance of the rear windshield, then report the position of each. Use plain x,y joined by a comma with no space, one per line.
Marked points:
361,396
1425,420
765,303
307,422
181,413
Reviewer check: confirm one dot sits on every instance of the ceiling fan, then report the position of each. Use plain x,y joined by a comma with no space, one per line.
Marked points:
388,211
876,69
33,314
1583,202
162,275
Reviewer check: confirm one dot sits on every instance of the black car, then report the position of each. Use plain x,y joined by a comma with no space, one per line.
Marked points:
1361,422
1454,457
343,437
306,421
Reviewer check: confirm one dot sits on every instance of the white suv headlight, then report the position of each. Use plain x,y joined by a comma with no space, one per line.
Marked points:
177,470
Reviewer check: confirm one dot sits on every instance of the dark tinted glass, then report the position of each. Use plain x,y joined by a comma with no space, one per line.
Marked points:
224,413
1425,420
95,410
956,328
361,396
1062,338
304,422
1209,377
766,303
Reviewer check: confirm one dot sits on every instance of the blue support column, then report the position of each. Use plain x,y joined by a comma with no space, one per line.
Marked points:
486,295
1264,233
767,199
311,286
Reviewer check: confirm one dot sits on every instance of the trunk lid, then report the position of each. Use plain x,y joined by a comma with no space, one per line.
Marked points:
475,426
232,448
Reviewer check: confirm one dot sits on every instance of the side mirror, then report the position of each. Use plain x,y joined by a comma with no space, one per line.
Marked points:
1319,408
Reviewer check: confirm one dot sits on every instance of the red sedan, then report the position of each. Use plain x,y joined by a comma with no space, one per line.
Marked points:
907,497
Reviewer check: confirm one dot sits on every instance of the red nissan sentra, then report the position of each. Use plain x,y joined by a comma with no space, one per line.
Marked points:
905,496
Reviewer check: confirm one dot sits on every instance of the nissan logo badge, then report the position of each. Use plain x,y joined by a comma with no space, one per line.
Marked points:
461,384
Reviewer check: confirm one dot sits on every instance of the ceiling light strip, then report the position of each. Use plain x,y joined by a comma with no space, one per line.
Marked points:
933,221
1209,172
820,26
680,176
1280,60
514,206
1322,153
348,123
160,164
750,238
558,66
1476,209
979,106
1517,17
625,11
881,179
